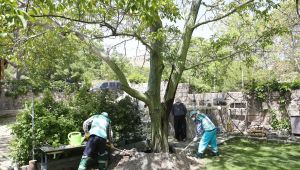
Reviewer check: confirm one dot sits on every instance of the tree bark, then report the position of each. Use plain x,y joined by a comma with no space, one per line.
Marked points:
159,130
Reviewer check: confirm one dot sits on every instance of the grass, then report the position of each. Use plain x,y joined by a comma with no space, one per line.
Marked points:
243,154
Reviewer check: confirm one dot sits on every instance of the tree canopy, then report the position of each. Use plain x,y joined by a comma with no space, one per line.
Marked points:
247,29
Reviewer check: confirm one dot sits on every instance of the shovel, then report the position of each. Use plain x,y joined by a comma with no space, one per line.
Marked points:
113,147
122,152
186,147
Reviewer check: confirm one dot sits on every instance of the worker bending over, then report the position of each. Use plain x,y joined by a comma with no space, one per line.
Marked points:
208,130
99,129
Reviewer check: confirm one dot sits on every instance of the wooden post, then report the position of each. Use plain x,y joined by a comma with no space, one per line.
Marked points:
2,69
32,165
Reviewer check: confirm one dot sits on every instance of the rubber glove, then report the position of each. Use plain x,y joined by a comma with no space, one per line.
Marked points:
86,136
195,139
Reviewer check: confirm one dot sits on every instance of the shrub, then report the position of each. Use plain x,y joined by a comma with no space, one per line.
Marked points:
124,113
52,125
137,78
54,120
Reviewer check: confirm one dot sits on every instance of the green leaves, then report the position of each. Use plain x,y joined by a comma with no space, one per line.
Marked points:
11,16
279,123
24,22
52,124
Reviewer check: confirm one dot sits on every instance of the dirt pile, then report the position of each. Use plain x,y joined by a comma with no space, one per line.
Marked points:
133,160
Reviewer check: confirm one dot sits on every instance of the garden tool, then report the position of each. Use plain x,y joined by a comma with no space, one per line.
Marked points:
186,147
122,152
111,146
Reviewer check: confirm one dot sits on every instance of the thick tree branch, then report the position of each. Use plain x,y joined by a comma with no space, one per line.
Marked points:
183,50
223,16
124,83
208,5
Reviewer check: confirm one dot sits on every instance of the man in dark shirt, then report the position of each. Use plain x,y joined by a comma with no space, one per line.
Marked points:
179,112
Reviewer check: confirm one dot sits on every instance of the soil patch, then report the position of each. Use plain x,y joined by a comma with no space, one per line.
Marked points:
153,161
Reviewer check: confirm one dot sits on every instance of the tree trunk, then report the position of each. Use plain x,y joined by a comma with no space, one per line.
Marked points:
159,130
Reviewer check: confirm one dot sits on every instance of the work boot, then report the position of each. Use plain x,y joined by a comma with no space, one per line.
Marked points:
215,154
102,161
84,162
199,155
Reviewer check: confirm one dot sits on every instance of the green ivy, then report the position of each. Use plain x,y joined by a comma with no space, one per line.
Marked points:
261,90
276,124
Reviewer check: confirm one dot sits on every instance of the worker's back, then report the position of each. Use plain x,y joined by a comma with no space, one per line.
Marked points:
99,126
207,124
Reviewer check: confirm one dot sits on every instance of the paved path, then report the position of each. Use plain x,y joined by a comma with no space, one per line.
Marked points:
5,136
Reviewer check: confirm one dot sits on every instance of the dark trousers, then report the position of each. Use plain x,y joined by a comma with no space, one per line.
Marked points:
95,146
94,150
180,127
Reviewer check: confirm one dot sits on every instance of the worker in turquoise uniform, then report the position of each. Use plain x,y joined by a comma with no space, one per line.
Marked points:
99,129
206,128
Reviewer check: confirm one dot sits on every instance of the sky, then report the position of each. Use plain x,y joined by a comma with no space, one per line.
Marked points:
133,48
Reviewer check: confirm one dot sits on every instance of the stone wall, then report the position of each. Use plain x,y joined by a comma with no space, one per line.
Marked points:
8,103
294,106
239,111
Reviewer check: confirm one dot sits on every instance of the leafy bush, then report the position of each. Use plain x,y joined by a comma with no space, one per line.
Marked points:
199,88
124,114
16,88
54,120
52,125
261,91
137,78
63,86
127,121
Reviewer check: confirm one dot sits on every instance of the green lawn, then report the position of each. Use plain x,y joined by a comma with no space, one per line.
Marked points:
252,154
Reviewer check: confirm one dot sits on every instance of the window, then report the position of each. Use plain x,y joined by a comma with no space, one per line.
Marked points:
238,105
104,85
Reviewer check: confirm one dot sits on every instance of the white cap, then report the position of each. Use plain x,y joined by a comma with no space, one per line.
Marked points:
104,114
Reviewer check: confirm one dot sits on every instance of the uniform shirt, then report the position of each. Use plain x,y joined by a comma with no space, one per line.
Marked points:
203,123
100,126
